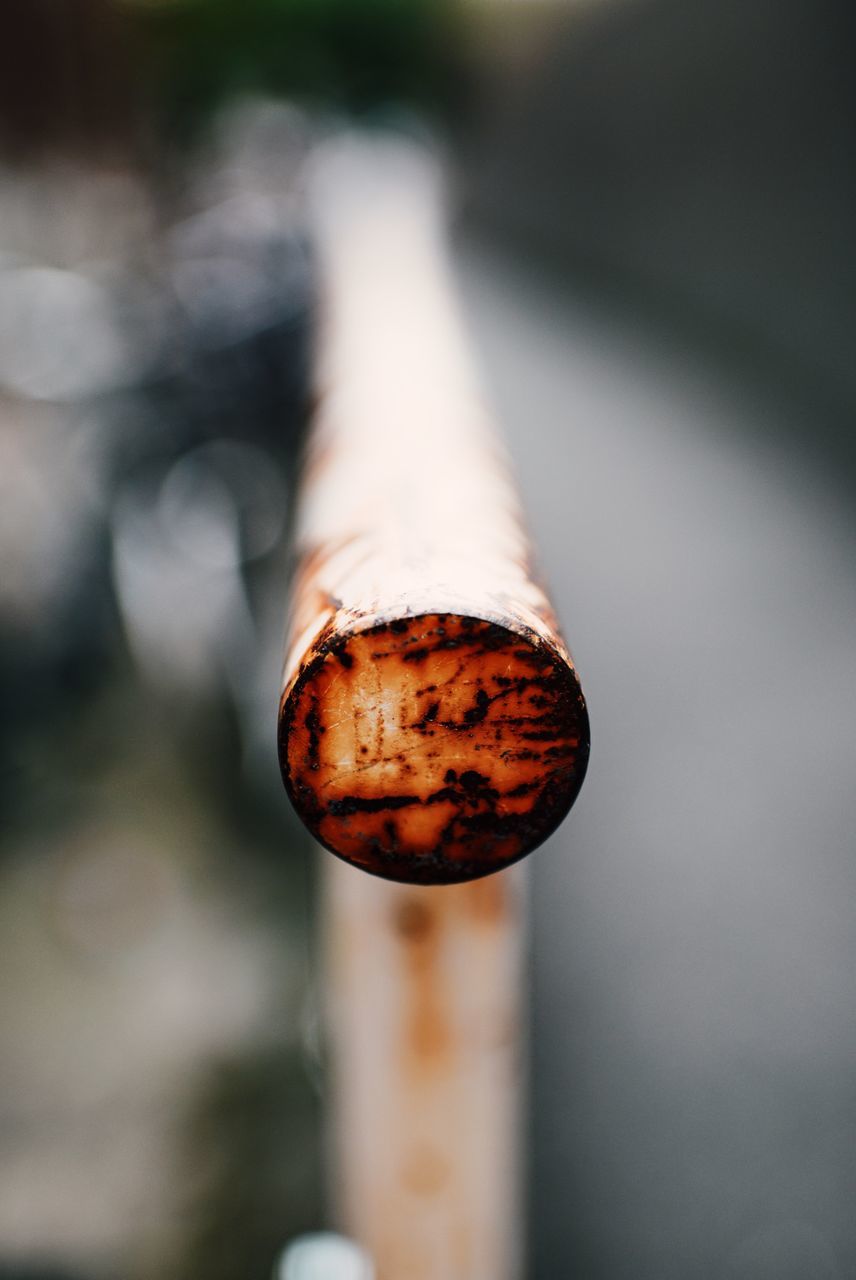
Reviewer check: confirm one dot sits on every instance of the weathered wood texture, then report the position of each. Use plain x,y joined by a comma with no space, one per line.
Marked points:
432,727
424,1004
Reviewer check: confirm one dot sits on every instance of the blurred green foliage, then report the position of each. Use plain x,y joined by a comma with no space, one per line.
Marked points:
349,55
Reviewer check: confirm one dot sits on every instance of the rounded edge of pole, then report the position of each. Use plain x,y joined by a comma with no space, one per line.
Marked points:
529,830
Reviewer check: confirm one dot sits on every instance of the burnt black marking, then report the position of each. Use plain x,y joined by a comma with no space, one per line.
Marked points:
430,714
359,804
416,655
477,713
390,830
313,724
534,657
445,793
473,790
489,638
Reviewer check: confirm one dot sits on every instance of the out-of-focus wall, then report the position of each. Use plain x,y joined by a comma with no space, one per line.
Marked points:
696,155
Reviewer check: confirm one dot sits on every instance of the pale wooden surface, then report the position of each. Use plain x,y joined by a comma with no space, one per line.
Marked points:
424,1018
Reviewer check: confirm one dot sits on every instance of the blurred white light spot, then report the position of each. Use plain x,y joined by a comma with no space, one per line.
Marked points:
58,336
227,298
325,1256
198,514
188,624
224,502
51,486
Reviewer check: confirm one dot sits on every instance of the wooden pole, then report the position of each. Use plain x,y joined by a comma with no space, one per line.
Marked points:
424,1012
432,727
432,730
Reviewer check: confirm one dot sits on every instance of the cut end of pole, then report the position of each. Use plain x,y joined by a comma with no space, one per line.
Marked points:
435,748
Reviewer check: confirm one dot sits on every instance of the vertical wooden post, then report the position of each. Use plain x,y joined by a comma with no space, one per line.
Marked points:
424,1015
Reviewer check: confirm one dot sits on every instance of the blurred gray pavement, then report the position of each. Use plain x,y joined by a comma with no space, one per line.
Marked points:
694,1037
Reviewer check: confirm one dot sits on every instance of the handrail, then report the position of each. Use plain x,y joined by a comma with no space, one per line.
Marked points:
432,730
432,726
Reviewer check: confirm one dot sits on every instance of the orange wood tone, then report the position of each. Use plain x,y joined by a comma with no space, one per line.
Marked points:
432,726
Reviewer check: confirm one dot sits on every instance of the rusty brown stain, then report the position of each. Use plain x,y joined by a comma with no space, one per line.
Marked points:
433,749
413,919
487,900
425,1171
427,1034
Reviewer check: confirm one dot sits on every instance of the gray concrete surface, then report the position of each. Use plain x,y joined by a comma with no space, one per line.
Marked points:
694,1037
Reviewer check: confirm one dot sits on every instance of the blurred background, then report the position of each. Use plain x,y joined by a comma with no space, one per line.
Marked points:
654,208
